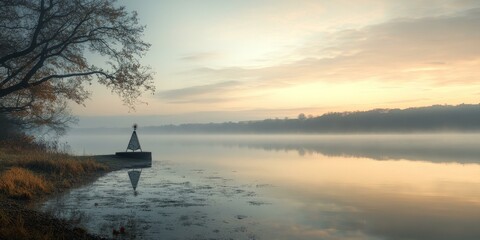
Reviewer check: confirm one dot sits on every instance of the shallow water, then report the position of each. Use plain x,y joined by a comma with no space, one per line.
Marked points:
285,187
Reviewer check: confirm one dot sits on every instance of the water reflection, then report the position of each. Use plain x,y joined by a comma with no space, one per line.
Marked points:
342,197
134,176
296,187
135,173
463,148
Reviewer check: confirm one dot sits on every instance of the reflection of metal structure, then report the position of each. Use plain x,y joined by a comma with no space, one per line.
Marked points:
134,144
134,176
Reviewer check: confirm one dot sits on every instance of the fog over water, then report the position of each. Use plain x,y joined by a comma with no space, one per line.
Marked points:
424,186
436,147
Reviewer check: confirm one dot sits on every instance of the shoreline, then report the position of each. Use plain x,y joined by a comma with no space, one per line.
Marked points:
20,215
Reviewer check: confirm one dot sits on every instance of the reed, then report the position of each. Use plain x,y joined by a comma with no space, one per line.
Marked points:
19,183
12,227
56,164
27,174
30,173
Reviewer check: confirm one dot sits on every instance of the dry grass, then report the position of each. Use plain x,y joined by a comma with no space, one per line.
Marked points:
15,227
58,164
31,173
5,218
20,223
20,183
12,227
28,174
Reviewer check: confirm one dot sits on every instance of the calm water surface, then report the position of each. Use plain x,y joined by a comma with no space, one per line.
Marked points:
285,187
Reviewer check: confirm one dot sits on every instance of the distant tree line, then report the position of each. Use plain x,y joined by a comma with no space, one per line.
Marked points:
464,117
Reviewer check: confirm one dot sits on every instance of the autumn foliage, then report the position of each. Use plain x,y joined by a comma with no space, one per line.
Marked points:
43,61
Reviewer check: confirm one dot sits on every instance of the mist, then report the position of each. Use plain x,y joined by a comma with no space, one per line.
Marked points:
437,118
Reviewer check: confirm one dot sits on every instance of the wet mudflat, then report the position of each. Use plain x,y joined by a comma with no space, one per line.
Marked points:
172,203
287,187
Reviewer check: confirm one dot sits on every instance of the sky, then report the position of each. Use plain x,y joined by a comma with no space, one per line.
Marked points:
235,60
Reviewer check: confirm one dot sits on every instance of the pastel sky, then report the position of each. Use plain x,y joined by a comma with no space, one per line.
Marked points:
218,60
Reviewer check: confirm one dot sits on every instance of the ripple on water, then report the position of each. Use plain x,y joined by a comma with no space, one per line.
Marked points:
168,206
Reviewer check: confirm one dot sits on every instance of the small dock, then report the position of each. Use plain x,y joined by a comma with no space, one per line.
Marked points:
116,163
135,155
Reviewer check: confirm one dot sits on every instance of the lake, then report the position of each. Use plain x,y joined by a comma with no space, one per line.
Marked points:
284,187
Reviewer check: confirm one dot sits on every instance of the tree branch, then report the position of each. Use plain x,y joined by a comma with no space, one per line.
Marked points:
71,75
33,42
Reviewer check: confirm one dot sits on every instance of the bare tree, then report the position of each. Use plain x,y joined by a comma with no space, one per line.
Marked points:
47,48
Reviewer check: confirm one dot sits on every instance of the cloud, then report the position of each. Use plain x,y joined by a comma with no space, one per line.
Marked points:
398,63
202,93
203,56
437,50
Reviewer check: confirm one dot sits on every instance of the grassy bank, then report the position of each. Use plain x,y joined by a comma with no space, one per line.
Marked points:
30,175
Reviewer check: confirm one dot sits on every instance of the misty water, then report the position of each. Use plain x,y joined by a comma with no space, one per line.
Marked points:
284,187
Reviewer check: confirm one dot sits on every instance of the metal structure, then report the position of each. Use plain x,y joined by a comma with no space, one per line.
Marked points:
134,143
